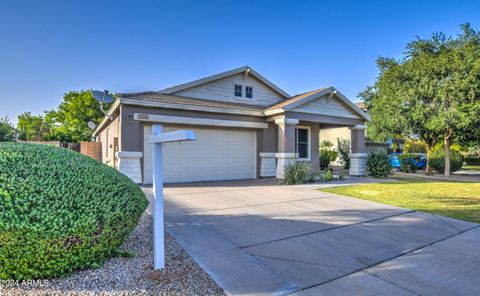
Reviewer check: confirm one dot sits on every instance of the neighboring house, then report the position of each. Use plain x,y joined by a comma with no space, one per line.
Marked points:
362,106
395,145
246,127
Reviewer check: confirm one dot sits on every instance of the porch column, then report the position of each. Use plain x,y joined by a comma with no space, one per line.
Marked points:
358,157
286,144
129,164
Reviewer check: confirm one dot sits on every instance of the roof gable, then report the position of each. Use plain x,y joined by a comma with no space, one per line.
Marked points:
327,105
324,101
242,70
224,90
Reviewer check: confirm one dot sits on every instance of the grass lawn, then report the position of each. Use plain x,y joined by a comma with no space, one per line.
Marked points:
471,167
460,200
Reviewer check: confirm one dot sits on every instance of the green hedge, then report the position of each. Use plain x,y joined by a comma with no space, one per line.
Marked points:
472,160
379,166
408,162
437,160
61,211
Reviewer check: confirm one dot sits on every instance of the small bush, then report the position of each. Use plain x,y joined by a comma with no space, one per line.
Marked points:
378,165
341,177
437,160
311,178
344,147
321,176
327,157
296,172
329,175
61,211
326,144
325,177
324,160
409,162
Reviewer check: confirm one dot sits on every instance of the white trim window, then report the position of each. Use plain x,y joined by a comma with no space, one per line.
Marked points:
302,142
238,90
248,92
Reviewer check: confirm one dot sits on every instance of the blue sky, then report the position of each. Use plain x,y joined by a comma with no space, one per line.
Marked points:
50,47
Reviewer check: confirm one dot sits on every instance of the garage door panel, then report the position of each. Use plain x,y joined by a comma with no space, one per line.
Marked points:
216,155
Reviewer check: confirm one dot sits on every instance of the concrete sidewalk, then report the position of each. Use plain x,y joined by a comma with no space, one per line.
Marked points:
260,238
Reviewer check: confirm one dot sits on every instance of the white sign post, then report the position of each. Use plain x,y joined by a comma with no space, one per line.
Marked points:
158,138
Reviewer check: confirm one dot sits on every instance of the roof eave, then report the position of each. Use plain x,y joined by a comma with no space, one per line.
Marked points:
308,99
105,119
190,107
269,83
353,106
274,112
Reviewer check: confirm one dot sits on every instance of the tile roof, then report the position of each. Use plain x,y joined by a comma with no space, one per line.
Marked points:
158,97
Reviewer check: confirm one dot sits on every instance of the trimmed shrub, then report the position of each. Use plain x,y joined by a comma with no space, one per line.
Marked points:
296,172
409,162
378,165
61,211
436,160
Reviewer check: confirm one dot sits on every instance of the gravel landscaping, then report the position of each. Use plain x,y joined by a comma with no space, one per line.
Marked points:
129,275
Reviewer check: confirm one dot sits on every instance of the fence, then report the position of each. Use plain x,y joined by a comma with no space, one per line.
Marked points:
92,149
71,146
376,147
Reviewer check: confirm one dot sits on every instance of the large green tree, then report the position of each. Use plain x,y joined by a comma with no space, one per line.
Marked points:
7,132
31,127
69,122
432,92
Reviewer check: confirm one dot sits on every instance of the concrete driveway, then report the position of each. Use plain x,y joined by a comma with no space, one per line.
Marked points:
259,238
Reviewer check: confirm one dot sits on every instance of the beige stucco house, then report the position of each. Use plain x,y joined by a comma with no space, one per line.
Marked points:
246,128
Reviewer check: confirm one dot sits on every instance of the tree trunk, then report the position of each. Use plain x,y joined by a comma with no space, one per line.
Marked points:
446,140
428,168
431,145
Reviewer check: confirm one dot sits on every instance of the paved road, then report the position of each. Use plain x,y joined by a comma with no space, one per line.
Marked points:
258,238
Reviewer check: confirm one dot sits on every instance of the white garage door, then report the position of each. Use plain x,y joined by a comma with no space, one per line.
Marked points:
215,155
